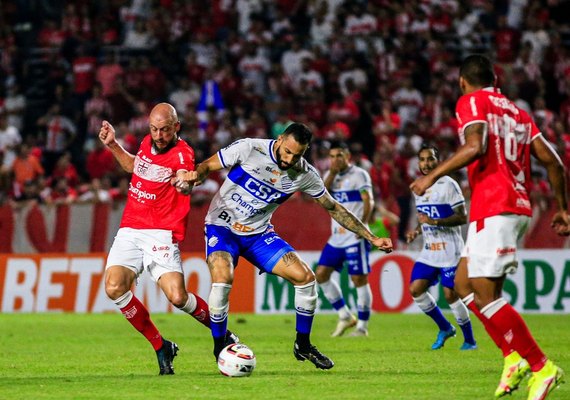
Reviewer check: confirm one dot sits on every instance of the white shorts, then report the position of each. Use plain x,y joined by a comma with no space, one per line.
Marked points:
491,245
150,249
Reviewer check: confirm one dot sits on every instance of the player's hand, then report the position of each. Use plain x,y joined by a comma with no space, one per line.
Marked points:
425,219
192,178
181,185
420,185
561,223
384,244
107,133
411,236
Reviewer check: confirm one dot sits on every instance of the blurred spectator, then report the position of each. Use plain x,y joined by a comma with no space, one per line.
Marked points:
100,162
9,139
108,72
185,95
26,166
139,38
60,132
14,106
28,195
98,192
253,68
66,170
51,34
61,192
408,101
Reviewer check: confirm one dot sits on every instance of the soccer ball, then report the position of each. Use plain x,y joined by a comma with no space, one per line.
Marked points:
236,360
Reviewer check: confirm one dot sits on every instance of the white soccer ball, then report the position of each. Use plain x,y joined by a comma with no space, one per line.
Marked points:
236,360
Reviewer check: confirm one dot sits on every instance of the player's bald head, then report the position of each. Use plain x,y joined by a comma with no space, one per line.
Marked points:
164,112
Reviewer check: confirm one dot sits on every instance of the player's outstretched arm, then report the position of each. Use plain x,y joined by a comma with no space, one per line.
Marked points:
348,220
466,153
548,157
107,137
196,177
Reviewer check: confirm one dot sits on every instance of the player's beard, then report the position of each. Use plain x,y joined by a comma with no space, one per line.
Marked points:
170,145
280,163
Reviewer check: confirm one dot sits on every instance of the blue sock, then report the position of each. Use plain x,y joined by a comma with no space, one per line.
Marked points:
219,328
304,323
337,305
439,319
467,332
363,315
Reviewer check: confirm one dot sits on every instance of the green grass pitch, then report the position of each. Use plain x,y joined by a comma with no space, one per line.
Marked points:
100,356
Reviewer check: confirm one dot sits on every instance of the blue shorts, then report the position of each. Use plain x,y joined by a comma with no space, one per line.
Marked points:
263,250
433,274
356,257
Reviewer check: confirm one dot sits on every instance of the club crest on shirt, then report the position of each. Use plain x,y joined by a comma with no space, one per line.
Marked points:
286,182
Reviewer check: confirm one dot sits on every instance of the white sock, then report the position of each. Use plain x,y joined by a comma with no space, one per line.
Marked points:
425,302
333,294
190,305
460,312
364,304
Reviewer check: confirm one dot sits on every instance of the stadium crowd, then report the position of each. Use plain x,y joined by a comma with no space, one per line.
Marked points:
379,74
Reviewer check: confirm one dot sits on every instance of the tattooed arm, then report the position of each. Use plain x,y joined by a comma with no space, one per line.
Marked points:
348,220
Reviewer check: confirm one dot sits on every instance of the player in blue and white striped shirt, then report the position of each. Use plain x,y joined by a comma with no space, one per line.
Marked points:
264,174
441,212
351,186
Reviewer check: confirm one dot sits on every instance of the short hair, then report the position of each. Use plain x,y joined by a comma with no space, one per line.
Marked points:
300,132
339,144
478,70
429,146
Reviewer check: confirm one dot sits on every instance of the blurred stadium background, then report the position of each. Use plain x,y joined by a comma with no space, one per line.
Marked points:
379,74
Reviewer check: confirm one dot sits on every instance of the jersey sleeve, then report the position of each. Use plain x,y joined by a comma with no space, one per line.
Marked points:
365,183
184,158
235,153
313,185
527,120
456,198
469,110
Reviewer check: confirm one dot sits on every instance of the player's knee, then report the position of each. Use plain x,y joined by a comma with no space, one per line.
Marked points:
115,288
416,290
359,280
321,274
178,298
306,276
450,296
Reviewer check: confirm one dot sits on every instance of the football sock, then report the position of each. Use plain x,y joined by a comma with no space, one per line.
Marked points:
461,315
515,332
333,294
136,313
198,308
305,304
219,307
426,303
493,333
364,304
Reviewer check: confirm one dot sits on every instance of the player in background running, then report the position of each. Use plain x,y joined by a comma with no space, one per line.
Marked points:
441,212
263,174
153,223
497,140
351,186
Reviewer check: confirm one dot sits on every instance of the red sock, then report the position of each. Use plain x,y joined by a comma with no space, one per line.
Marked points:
494,334
515,332
137,314
202,311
